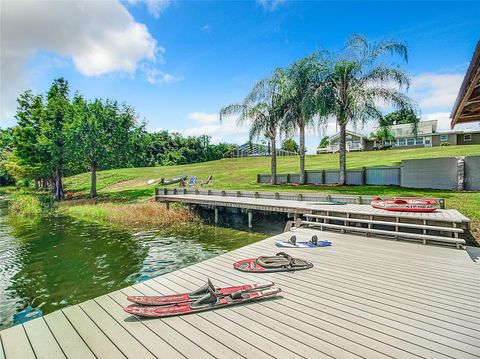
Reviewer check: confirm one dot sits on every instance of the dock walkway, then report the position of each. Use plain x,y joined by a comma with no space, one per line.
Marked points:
364,298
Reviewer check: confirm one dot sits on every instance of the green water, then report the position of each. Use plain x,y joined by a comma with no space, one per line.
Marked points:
55,262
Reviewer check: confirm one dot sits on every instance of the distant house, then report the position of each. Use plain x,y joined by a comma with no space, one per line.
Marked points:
427,136
255,150
355,142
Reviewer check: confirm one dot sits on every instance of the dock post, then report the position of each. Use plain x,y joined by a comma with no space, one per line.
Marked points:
167,206
216,215
250,218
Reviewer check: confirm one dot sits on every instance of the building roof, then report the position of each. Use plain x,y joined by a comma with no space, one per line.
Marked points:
467,105
335,136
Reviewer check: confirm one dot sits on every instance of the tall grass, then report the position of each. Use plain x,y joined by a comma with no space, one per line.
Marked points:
133,215
26,205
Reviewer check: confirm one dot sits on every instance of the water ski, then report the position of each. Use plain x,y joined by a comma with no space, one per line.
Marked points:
196,294
209,301
313,243
282,262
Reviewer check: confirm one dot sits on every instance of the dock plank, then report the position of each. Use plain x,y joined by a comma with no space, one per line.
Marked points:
2,353
16,344
71,343
113,303
42,340
122,339
96,340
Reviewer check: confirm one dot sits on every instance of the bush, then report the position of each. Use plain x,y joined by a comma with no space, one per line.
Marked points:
24,183
31,206
445,143
26,205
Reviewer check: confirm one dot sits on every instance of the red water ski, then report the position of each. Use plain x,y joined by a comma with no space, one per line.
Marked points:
192,296
209,302
282,262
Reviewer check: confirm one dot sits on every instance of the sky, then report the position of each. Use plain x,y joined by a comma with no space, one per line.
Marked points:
178,62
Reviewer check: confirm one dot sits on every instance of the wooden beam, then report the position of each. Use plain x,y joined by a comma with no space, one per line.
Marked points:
469,117
465,98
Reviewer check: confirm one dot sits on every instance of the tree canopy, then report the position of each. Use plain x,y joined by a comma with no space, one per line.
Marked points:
58,135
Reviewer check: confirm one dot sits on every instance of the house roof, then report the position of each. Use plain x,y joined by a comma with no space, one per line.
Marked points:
335,136
467,105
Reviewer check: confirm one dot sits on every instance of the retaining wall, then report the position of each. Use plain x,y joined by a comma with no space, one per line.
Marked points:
452,173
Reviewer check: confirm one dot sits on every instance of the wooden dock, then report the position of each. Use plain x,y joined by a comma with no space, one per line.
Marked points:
444,226
364,298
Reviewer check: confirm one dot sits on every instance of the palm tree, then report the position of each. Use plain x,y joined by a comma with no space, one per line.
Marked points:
358,83
262,108
302,102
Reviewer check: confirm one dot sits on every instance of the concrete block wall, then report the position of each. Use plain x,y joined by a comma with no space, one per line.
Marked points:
437,173
472,173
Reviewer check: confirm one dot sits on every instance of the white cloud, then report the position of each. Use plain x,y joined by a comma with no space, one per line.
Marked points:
435,91
203,118
154,7
270,5
209,124
154,75
99,37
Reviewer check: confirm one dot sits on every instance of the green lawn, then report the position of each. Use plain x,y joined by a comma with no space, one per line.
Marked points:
240,173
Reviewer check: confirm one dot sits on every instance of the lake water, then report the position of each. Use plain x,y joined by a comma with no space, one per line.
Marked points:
55,262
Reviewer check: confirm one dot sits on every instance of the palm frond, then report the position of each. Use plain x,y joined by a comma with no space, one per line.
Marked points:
386,75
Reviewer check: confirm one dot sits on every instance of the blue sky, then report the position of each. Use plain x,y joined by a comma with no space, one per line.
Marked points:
179,62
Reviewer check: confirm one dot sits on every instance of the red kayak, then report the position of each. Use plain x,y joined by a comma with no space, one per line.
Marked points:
210,301
198,293
405,204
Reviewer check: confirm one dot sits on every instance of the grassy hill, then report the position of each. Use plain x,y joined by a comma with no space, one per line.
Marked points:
240,173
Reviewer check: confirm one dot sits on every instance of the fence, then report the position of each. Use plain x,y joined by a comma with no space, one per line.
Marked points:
453,173
387,175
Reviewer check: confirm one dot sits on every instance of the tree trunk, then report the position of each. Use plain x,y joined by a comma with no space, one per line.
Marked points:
273,178
59,195
53,183
343,155
302,153
93,187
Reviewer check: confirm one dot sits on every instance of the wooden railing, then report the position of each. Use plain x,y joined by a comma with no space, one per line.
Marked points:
292,196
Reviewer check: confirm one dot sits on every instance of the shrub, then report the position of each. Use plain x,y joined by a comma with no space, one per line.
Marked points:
446,143
25,205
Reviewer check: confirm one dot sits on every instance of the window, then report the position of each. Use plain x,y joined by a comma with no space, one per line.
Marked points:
443,138
467,137
419,141
387,142
401,142
410,141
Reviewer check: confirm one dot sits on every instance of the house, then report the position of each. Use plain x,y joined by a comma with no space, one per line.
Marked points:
427,136
250,149
355,142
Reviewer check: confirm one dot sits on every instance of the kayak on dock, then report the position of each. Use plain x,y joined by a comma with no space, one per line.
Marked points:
405,204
